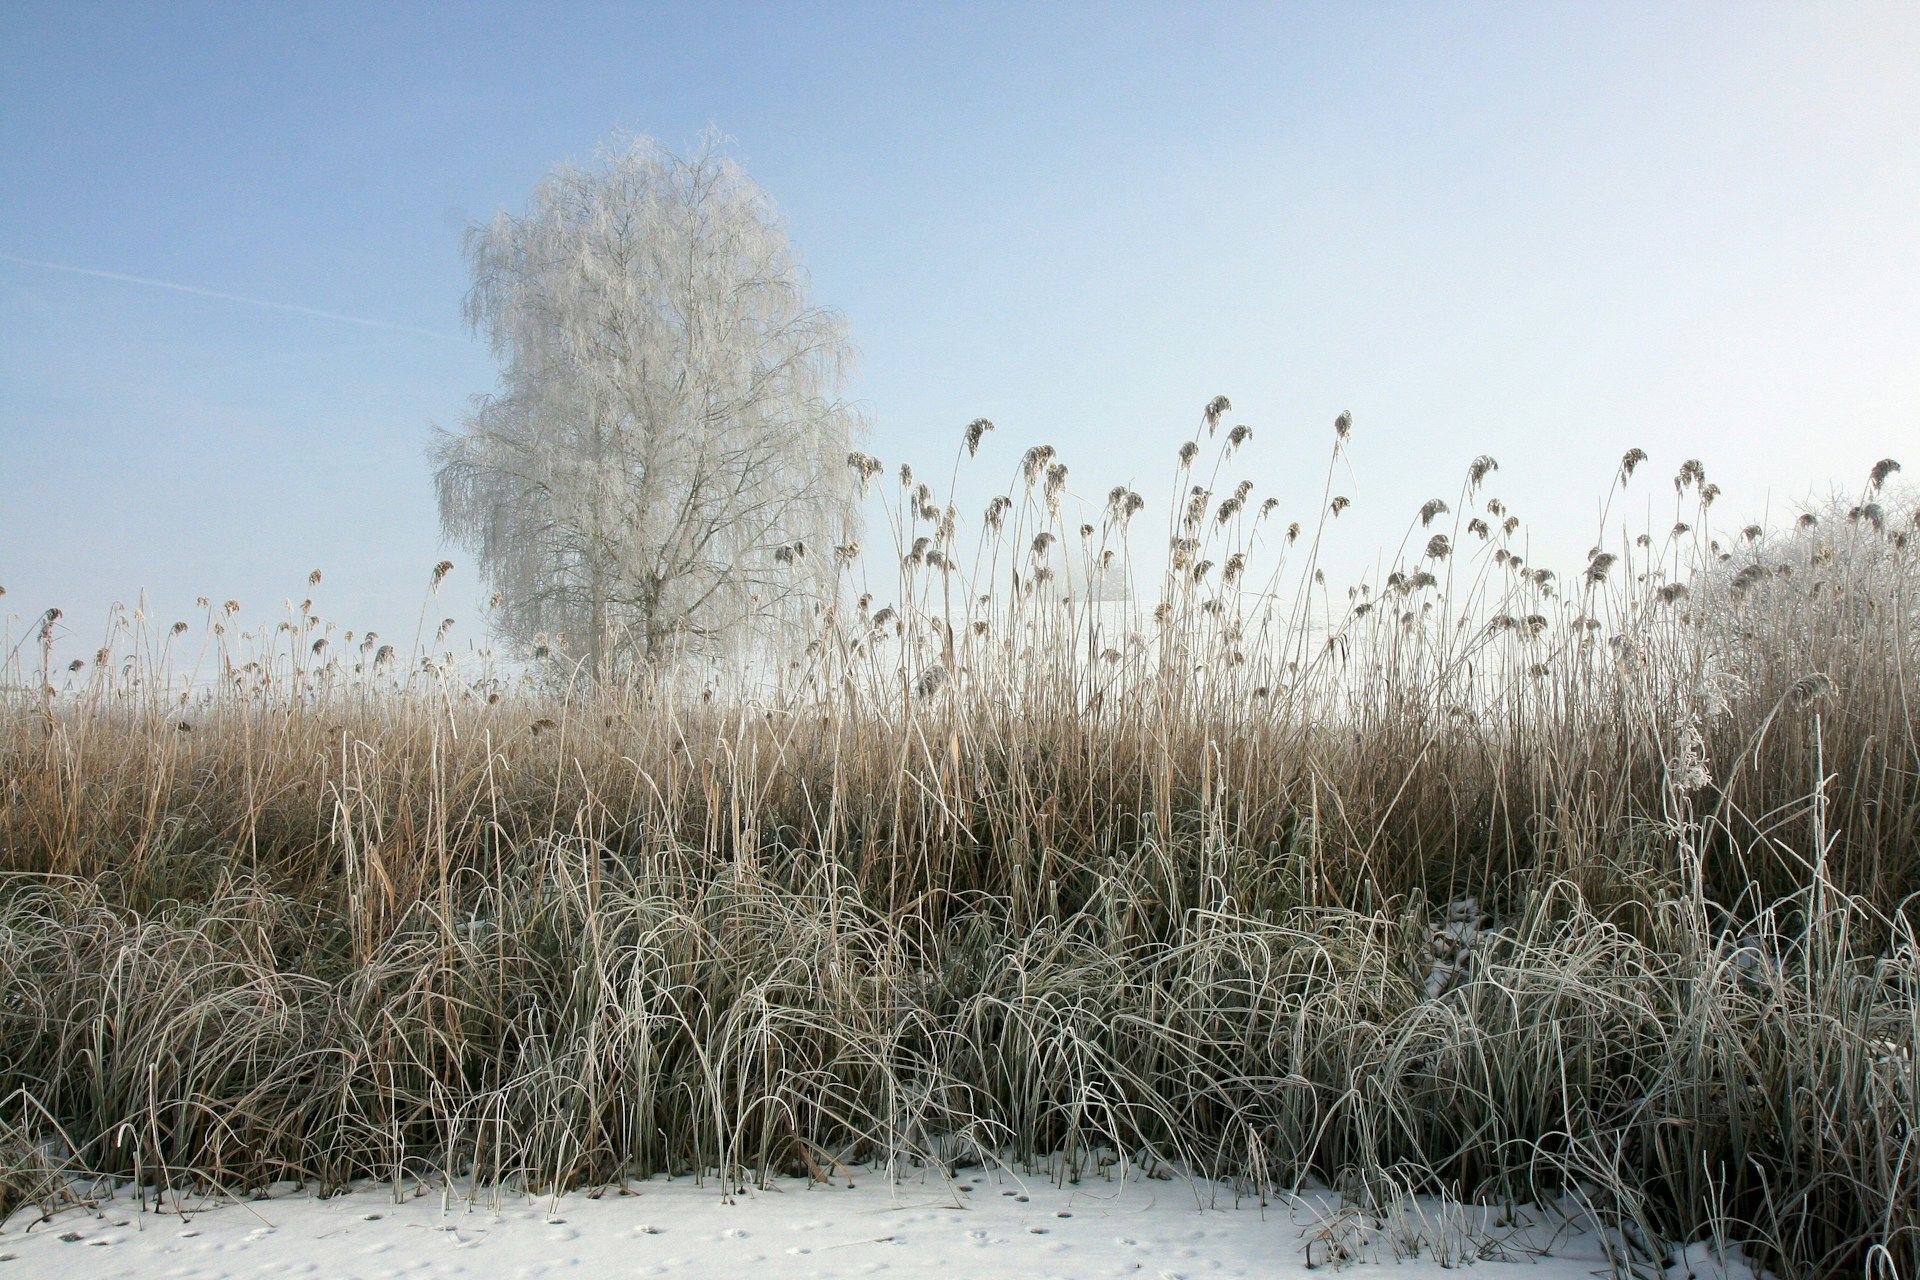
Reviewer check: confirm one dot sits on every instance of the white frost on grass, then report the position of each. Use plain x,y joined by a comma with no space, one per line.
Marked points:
982,1226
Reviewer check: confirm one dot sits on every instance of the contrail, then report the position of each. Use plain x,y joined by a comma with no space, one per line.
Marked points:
198,292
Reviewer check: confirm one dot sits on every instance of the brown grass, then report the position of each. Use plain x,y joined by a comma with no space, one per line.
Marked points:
1158,877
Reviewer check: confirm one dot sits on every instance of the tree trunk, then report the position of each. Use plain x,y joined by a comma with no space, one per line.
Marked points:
597,641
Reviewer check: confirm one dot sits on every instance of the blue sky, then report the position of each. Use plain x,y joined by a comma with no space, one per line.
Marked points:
1546,232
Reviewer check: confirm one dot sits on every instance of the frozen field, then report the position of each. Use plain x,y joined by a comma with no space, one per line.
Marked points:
985,1225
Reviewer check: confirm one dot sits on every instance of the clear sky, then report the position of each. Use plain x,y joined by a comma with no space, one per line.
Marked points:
1548,232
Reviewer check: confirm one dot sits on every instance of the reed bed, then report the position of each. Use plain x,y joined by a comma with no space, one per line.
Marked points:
1092,843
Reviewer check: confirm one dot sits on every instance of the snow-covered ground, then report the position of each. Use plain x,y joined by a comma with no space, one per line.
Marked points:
984,1225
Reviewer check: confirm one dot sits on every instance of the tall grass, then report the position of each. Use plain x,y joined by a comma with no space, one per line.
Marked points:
1100,840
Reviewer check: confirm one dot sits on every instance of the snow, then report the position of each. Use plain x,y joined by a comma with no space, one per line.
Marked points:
982,1224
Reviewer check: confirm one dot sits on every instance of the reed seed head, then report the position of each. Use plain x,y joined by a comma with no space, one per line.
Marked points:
1216,408
976,430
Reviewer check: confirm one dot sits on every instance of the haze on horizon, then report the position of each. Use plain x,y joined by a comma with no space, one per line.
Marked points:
230,254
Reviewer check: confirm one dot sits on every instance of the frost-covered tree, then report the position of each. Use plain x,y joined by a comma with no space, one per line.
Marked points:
663,468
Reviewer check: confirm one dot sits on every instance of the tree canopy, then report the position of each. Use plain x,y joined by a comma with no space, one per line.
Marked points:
663,468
